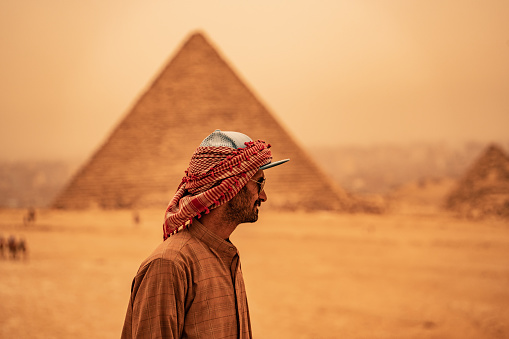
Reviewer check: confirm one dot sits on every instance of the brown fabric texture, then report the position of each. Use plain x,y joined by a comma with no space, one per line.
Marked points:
191,286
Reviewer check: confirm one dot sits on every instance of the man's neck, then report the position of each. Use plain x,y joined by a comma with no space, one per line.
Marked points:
218,224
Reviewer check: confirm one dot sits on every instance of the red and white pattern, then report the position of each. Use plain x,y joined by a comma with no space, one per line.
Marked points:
215,175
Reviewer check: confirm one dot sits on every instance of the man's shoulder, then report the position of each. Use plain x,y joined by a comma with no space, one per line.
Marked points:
178,248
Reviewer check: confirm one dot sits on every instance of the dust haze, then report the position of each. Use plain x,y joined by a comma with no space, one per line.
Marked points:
334,73
395,102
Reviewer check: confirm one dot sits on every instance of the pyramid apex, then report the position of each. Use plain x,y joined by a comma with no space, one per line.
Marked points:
493,153
197,38
494,149
197,32
197,35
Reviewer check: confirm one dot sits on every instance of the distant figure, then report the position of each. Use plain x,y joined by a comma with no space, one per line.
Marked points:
136,218
22,247
11,242
3,244
29,218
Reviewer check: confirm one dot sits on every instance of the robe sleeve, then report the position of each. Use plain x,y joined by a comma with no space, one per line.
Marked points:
157,303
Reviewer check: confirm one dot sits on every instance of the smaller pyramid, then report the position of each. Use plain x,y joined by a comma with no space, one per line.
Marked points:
484,189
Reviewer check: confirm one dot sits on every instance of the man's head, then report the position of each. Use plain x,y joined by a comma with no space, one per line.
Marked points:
244,206
226,168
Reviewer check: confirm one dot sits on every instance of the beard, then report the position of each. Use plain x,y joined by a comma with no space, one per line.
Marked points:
240,210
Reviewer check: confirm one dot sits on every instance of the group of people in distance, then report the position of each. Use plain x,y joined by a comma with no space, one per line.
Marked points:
13,248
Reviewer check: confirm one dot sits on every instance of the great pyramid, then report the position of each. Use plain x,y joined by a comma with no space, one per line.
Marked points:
142,162
484,190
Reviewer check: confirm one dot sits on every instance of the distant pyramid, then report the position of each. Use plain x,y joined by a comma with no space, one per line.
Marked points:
484,190
142,162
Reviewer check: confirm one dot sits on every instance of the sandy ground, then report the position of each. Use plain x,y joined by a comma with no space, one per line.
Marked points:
320,275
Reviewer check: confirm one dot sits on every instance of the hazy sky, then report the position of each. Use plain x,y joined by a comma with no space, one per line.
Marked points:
333,72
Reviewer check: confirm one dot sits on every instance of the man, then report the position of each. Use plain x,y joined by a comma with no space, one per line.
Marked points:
191,286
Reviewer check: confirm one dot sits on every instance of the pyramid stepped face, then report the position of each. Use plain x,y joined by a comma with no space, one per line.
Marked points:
484,190
142,162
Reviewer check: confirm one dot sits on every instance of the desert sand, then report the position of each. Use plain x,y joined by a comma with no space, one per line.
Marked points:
418,274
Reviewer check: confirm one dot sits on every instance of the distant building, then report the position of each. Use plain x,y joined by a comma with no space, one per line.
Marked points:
142,162
484,189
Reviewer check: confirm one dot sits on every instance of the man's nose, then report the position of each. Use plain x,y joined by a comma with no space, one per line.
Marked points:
262,196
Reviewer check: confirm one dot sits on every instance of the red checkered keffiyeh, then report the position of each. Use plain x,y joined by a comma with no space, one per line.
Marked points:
215,175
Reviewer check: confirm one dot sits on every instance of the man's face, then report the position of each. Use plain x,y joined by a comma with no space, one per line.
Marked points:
244,206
